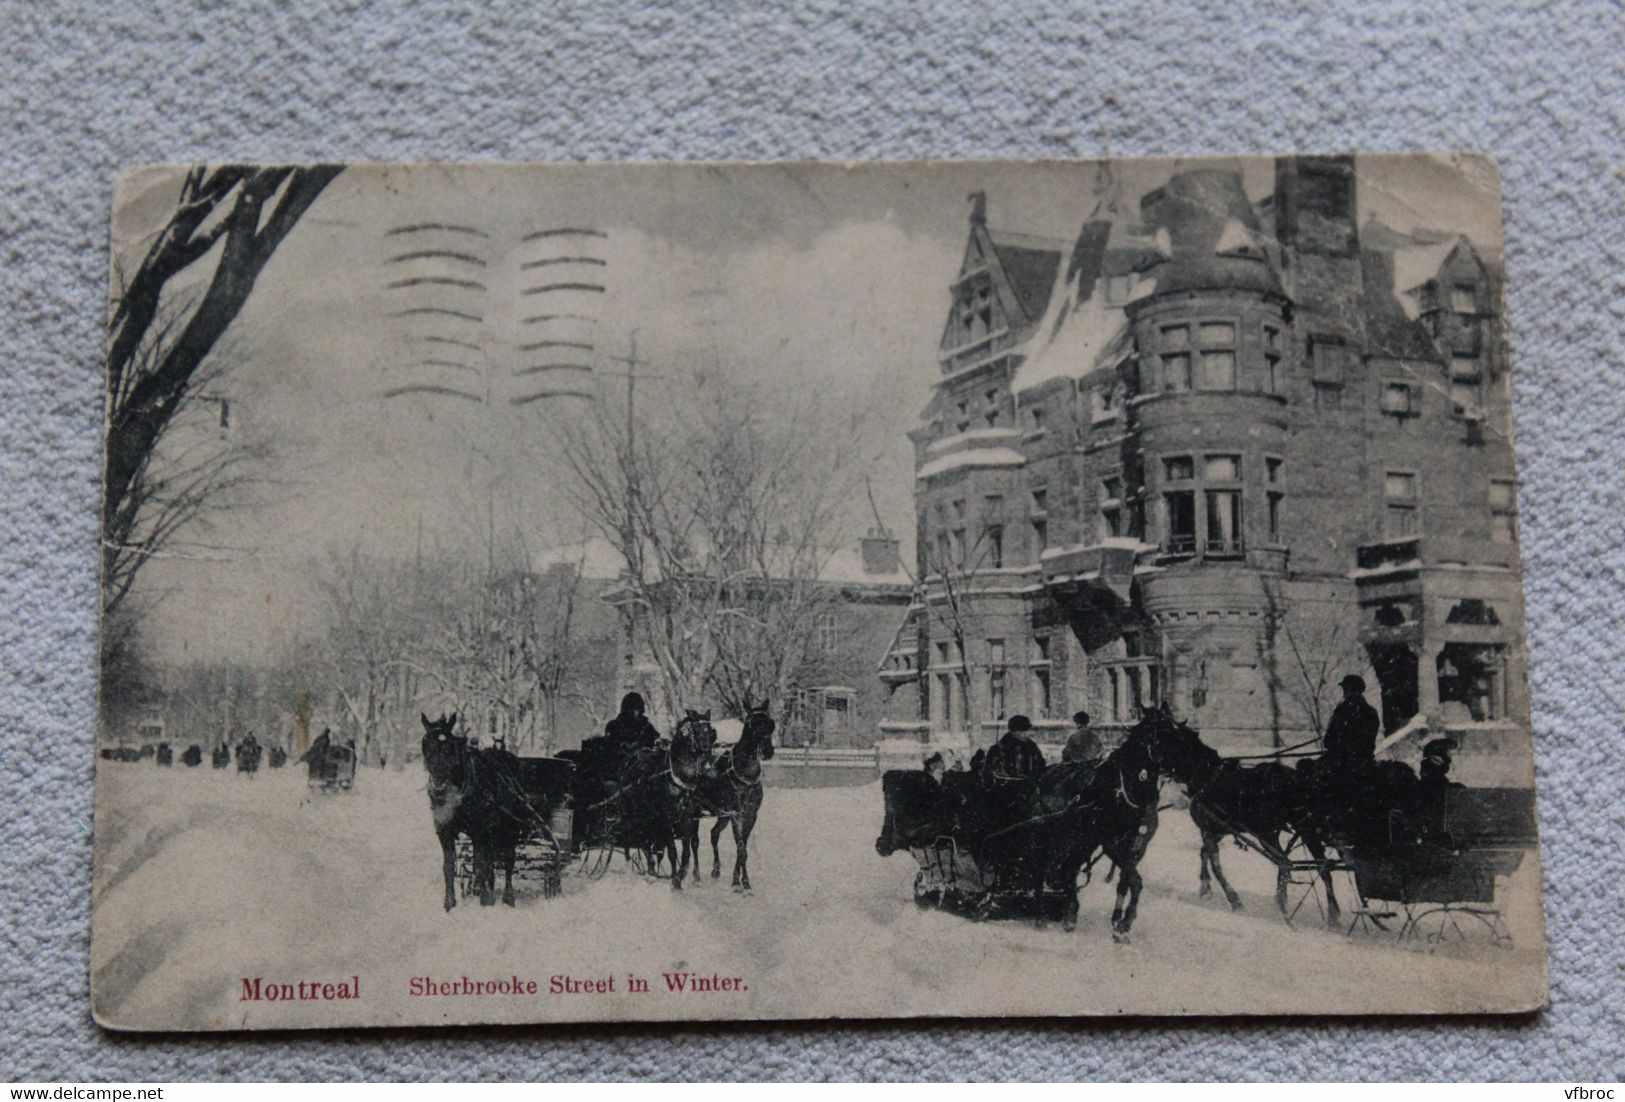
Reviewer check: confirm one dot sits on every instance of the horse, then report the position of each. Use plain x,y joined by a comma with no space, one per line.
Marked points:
478,793
1264,801
1110,810
734,794
656,795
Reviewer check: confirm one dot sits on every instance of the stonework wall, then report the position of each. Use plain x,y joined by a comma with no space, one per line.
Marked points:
1342,422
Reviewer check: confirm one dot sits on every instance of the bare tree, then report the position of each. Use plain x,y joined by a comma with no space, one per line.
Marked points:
167,318
557,658
1304,665
946,592
373,628
725,513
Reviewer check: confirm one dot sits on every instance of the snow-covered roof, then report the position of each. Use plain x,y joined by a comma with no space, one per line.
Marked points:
974,457
1238,239
1079,327
1073,345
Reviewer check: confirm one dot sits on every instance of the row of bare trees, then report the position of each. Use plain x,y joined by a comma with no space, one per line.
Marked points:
727,507
512,648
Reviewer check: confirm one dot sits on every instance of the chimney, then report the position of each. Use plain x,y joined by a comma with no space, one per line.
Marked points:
880,554
978,208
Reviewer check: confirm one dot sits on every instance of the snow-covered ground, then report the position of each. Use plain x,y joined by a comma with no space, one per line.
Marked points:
206,878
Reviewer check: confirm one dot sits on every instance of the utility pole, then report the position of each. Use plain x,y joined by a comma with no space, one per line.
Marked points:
629,534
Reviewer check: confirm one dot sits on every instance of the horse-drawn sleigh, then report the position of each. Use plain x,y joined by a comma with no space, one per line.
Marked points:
329,764
534,816
1417,851
1421,855
1437,875
992,848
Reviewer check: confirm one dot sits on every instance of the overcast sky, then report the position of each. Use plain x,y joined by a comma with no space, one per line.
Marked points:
829,276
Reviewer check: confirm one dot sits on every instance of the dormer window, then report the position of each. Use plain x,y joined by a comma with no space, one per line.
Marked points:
1464,298
1103,402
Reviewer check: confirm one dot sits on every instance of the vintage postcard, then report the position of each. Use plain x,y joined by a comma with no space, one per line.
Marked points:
629,592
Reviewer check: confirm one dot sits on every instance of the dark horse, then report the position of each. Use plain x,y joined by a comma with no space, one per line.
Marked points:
657,795
734,794
473,792
1265,802
1086,812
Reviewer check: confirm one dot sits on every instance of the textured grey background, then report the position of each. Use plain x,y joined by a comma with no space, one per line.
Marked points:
87,88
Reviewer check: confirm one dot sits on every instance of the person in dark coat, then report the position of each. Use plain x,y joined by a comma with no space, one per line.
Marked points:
935,767
1432,785
1433,778
1351,735
1015,757
630,730
1084,745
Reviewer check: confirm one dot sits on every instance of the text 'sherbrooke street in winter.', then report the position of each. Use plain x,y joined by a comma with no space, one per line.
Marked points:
588,592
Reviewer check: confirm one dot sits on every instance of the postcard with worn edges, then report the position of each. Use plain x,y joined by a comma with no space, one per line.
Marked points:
773,591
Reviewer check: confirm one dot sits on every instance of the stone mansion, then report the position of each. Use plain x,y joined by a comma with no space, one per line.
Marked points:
1218,452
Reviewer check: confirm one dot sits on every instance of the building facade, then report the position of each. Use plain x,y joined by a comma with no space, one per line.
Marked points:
1218,453
851,598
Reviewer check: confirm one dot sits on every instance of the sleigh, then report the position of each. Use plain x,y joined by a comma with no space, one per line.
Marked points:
1436,880
546,843
967,864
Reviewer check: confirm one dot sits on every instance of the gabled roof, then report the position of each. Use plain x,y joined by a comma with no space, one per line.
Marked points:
1389,330
1029,265
1415,265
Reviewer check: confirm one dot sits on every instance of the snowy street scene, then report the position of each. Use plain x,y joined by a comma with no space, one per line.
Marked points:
201,893
594,592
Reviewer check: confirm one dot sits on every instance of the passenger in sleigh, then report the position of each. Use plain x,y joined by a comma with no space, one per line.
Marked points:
1009,786
920,806
631,730
1015,757
1433,788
